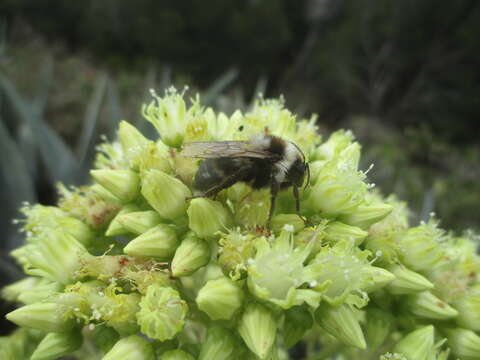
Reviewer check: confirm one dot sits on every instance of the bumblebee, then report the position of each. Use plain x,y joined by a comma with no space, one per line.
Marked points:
263,161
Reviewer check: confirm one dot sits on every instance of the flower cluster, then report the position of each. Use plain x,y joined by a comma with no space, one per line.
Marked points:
133,267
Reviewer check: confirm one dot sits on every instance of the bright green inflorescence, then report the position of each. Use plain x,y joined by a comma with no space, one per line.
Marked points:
133,266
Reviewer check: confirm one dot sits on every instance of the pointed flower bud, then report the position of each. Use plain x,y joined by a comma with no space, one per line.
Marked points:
417,345
131,140
422,247
160,241
337,141
379,325
49,317
464,343
281,220
206,217
39,293
258,329
340,187
365,215
220,298
427,305
177,355
166,194
235,250
56,345
13,291
337,231
298,320
379,278
192,254
468,307
407,281
139,222
104,337
162,313
123,184
132,347
168,116
116,228
219,344
253,209
341,322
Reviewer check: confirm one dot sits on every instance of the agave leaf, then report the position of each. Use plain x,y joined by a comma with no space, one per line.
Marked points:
219,86
114,108
56,155
90,121
43,86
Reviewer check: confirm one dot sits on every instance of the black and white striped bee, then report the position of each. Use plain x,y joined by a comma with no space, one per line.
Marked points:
263,161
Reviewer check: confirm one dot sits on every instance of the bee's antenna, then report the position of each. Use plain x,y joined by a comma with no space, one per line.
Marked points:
308,176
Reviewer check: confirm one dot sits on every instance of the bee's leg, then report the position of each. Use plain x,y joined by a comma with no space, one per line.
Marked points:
296,195
226,183
273,196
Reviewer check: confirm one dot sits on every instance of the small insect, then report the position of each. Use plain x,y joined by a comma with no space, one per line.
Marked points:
263,161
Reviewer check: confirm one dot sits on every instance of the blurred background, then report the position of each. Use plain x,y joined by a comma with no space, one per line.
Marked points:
403,75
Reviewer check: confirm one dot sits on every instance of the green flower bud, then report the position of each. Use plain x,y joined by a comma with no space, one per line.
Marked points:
104,337
298,320
20,344
160,241
39,293
166,194
206,217
258,328
131,140
57,256
407,281
394,356
341,322
162,313
56,345
379,325
464,343
468,307
378,278
13,291
337,231
169,116
235,250
104,194
252,210
220,298
427,305
366,215
49,317
421,247
338,141
139,222
177,355
192,254
219,345
417,345
340,187
123,184
281,220
116,228
132,347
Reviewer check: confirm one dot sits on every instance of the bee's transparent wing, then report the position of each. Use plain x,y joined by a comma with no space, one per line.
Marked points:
223,149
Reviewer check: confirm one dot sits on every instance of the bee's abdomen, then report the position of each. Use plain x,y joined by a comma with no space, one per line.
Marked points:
213,171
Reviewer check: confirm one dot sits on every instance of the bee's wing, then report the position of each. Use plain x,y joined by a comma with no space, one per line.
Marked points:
223,149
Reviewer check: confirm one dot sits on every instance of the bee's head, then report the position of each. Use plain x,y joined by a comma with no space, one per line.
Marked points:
296,173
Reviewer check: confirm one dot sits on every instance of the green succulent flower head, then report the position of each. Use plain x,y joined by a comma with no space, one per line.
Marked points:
139,264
